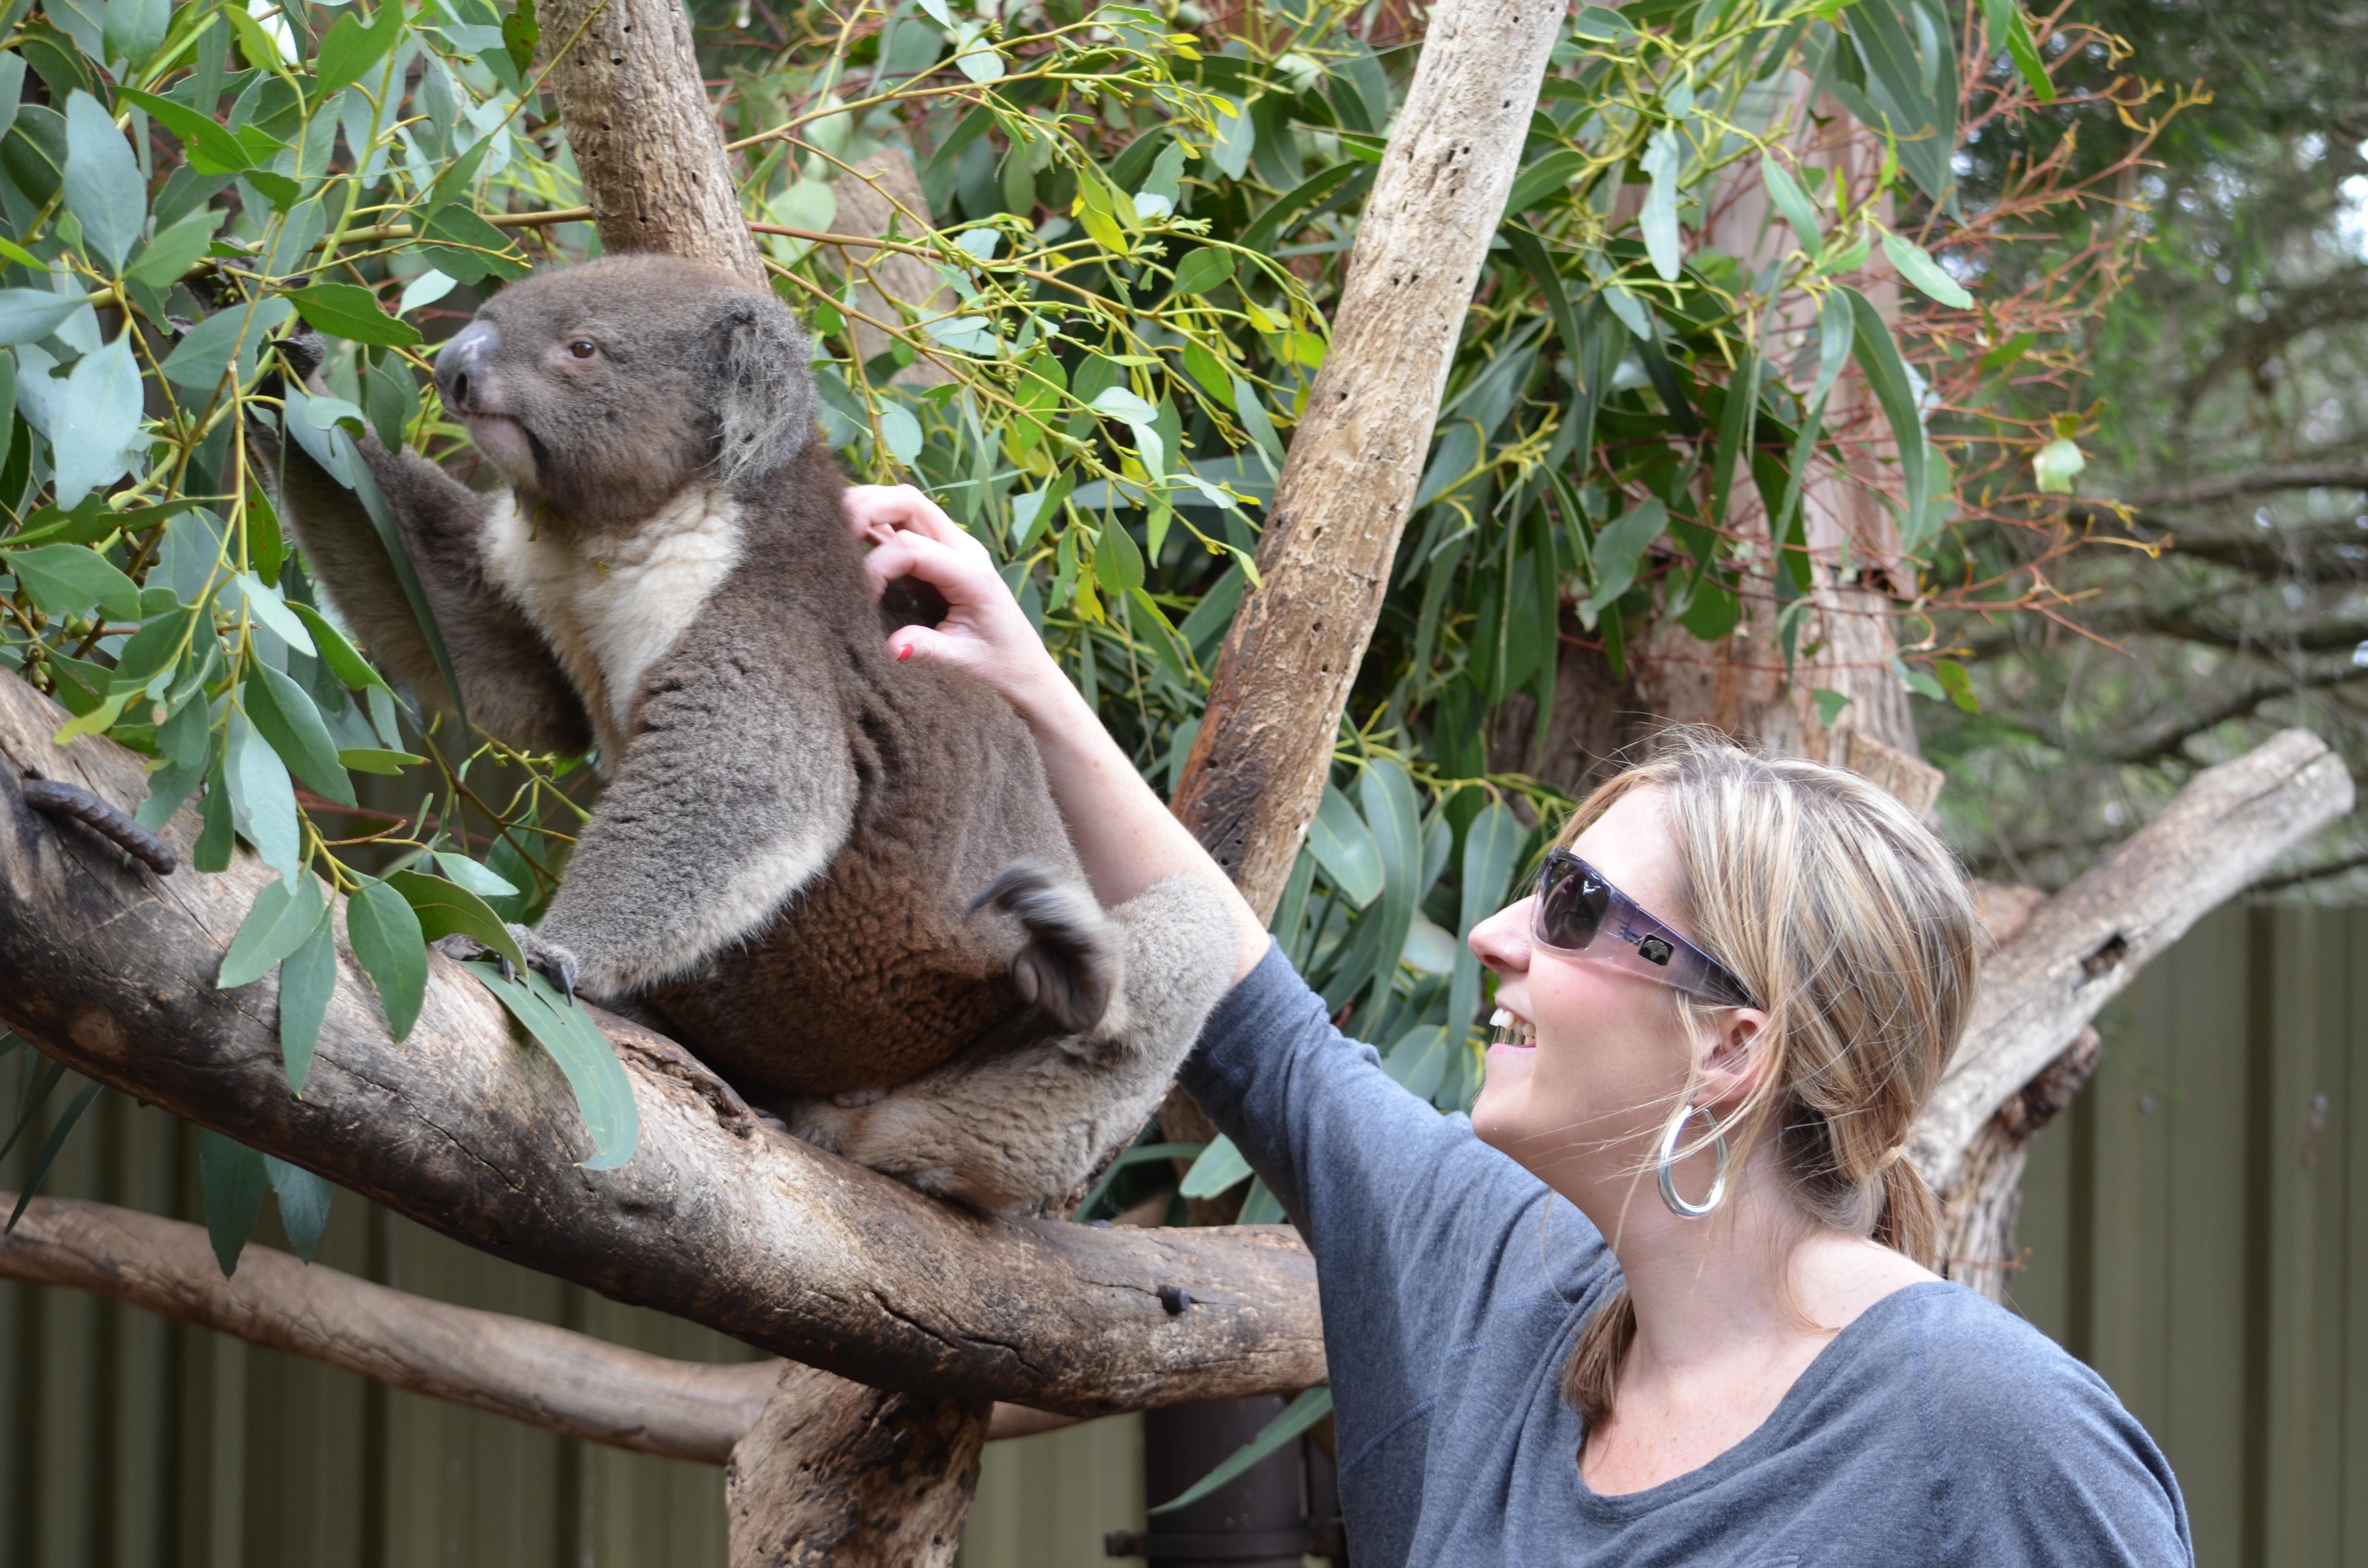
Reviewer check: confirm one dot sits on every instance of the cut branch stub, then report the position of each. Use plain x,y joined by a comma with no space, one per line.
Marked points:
655,174
1257,765
717,1217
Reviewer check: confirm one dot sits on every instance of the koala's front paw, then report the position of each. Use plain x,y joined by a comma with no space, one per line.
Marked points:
549,960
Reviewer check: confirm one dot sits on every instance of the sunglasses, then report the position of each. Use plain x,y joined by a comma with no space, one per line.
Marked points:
1576,905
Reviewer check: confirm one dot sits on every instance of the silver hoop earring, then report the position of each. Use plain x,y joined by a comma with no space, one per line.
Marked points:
1667,1170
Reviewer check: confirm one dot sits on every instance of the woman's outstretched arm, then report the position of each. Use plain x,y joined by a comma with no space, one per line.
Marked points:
1125,835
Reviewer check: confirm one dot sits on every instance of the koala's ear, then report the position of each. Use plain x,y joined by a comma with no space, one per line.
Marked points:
766,408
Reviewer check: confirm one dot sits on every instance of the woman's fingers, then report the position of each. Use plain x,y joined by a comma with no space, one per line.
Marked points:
878,512
963,575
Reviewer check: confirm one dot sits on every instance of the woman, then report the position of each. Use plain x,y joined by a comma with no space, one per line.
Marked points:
1659,1300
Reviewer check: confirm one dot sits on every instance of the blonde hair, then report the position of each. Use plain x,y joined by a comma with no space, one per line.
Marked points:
1853,926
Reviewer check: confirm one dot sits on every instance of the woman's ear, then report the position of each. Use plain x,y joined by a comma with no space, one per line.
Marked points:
1736,1057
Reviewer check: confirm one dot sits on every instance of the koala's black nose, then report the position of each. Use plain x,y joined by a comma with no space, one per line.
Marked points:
460,367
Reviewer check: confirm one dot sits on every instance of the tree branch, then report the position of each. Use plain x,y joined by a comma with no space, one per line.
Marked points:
717,1219
2255,482
1257,767
2088,941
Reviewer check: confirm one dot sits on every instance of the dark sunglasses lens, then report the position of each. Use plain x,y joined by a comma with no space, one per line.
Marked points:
1570,908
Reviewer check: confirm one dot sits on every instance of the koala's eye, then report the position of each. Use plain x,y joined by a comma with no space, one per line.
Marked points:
582,348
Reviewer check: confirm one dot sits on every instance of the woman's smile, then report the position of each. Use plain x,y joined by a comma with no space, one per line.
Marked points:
1511,1032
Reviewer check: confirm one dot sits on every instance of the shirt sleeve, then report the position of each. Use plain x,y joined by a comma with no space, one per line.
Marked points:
1408,1214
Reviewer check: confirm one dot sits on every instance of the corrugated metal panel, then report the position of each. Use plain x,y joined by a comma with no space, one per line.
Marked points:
2196,1227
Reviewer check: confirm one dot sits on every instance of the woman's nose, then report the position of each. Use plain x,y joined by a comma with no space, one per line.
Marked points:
1502,941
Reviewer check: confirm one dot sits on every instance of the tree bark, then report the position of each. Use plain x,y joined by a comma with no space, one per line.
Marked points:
717,1217
1257,765
835,1472
2085,944
637,114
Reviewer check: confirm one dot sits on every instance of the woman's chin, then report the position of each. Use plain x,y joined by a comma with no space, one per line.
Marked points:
1496,1112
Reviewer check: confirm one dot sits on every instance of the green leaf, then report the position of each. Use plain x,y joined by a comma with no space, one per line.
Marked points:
1790,200
27,316
1219,1169
70,579
279,921
209,149
102,187
135,28
388,943
1266,230
2007,352
901,431
229,336
445,910
2057,465
1117,562
1204,270
344,661
1958,683
1619,547
1344,846
371,759
1921,269
351,47
520,33
1417,1063
50,1146
212,851
1664,158
308,978
1297,1417
473,877
604,1092
285,715
2010,26
233,1177
1489,846
303,1200
391,540
1547,177
170,254
1886,375
95,420
262,801
350,310
1830,705
270,607
52,1074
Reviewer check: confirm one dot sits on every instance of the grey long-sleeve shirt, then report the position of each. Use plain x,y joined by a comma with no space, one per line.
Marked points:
1936,1428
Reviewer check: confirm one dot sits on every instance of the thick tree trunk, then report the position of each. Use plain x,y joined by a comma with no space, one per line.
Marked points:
637,118
835,1472
1258,764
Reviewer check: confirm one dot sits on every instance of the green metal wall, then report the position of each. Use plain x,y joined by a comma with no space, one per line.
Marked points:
2196,1227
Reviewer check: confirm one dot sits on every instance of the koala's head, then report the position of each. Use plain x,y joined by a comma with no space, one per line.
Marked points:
604,388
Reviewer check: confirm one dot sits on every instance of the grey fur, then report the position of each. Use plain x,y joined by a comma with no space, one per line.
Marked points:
785,861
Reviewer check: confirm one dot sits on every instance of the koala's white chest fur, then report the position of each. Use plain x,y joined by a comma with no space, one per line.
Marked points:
612,607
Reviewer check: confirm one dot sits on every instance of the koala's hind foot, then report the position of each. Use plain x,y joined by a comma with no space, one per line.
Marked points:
1006,1129
1073,966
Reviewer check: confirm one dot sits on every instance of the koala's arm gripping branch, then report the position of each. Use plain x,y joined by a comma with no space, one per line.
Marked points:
716,1218
734,792
508,679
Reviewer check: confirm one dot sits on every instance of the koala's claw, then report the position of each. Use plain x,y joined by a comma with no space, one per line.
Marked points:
549,960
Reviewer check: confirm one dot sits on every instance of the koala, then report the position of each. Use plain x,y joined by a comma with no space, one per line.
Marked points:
838,878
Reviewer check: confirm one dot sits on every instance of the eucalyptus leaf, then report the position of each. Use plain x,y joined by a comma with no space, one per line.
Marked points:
1619,547
467,873
279,921
308,978
444,909
232,1178
1296,1417
1343,845
95,420
1921,269
262,800
102,187
303,1197
388,943
27,316
1219,1169
71,579
285,715
1662,160
603,1093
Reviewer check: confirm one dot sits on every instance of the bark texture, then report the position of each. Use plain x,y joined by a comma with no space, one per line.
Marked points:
1257,770
551,1378
2086,943
655,174
717,1217
835,1472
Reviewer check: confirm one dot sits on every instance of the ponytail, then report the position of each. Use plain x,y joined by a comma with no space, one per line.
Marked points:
1592,1376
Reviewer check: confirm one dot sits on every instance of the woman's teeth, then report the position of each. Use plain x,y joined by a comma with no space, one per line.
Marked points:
1509,1028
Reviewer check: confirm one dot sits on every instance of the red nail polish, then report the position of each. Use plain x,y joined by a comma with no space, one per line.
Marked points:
904,652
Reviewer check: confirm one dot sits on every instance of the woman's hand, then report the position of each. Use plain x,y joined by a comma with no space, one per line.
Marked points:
985,632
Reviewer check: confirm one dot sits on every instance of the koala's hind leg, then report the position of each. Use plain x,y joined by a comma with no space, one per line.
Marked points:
1003,1129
